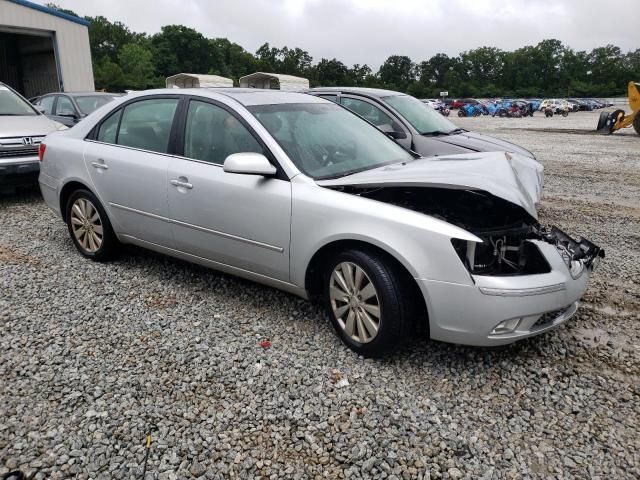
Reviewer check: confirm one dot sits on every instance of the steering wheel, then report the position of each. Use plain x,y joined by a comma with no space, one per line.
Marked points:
335,153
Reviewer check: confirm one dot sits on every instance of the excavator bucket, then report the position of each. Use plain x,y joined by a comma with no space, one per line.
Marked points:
609,122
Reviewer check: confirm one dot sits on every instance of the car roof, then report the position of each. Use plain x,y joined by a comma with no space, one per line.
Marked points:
371,92
81,94
245,96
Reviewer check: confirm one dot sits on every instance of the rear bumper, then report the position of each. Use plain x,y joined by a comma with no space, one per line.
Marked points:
468,314
50,187
19,170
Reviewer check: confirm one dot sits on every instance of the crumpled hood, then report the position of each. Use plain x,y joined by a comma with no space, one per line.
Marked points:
483,143
26,125
511,177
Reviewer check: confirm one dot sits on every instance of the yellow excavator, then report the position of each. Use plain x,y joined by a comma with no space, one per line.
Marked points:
610,122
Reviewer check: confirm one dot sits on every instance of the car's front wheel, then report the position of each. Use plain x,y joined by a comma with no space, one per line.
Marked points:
364,297
89,226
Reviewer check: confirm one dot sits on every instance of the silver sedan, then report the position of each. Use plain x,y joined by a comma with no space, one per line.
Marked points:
296,192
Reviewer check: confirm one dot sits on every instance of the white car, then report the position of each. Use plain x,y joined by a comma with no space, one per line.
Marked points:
435,104
299,193
558,105
22,127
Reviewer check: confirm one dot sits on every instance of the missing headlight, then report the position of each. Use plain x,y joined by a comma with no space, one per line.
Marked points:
502,254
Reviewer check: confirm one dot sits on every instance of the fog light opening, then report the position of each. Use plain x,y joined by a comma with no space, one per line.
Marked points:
506,326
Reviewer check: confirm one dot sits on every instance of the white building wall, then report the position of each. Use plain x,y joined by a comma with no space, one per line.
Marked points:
71,40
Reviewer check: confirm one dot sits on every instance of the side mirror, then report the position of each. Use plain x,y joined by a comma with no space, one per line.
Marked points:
40,108
249,163
393,131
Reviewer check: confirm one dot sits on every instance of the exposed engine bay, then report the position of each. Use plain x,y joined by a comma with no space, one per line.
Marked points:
506,229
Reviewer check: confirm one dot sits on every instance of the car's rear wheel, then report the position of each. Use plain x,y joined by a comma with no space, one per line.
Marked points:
363,295
89,226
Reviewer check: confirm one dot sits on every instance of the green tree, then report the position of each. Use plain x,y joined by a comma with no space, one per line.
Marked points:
331,73
106,38
108,75
136,63
180,49
397,72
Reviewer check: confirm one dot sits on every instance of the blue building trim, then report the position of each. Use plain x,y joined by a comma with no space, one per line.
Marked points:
51,11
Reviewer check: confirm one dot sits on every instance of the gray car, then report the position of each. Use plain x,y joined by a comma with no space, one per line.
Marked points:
296,192
413,123
71,107
22,128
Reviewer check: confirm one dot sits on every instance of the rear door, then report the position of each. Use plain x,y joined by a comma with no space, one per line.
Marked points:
127,160
234,219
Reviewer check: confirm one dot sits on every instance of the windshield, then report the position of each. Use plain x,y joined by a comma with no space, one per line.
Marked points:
420,115
89,103
325,140
12,104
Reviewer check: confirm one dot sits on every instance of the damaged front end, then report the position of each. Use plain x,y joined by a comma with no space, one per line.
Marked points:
509,233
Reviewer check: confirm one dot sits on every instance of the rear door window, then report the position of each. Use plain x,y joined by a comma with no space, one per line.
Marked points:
109,128
331,97
47,104
147,124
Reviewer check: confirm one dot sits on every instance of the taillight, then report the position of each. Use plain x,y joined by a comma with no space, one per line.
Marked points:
41,150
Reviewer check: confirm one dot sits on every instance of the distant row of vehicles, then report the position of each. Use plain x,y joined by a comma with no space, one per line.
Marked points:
574,104
471,107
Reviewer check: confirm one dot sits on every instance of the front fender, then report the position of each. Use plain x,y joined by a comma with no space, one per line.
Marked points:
422,244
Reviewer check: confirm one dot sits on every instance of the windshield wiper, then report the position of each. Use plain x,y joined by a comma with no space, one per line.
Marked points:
457,130
437,133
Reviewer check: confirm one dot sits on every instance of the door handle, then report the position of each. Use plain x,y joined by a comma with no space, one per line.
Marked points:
100,165
180,183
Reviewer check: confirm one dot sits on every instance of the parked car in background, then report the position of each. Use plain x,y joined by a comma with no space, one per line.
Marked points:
22,128
464,101
69,108
558,105
596,103
296,192
413,124
433,103
583,105
573,106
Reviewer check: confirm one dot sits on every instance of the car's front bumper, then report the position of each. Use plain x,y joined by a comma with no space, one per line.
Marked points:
468,314
19,170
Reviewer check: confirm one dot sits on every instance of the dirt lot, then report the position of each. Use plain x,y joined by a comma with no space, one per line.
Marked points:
93,357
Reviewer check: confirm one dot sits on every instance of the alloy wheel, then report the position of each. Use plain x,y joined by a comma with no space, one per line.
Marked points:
86,225
355,302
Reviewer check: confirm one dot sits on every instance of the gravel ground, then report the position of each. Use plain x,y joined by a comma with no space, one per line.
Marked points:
93,357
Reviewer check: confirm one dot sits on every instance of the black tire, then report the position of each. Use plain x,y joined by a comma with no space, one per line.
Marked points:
461,113
565,113
602,121
397,307
109,242
502,114
636,123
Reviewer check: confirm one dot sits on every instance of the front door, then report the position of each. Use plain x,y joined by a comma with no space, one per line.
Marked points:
128,164
238,220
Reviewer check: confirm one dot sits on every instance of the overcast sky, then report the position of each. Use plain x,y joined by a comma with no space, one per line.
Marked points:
368,31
